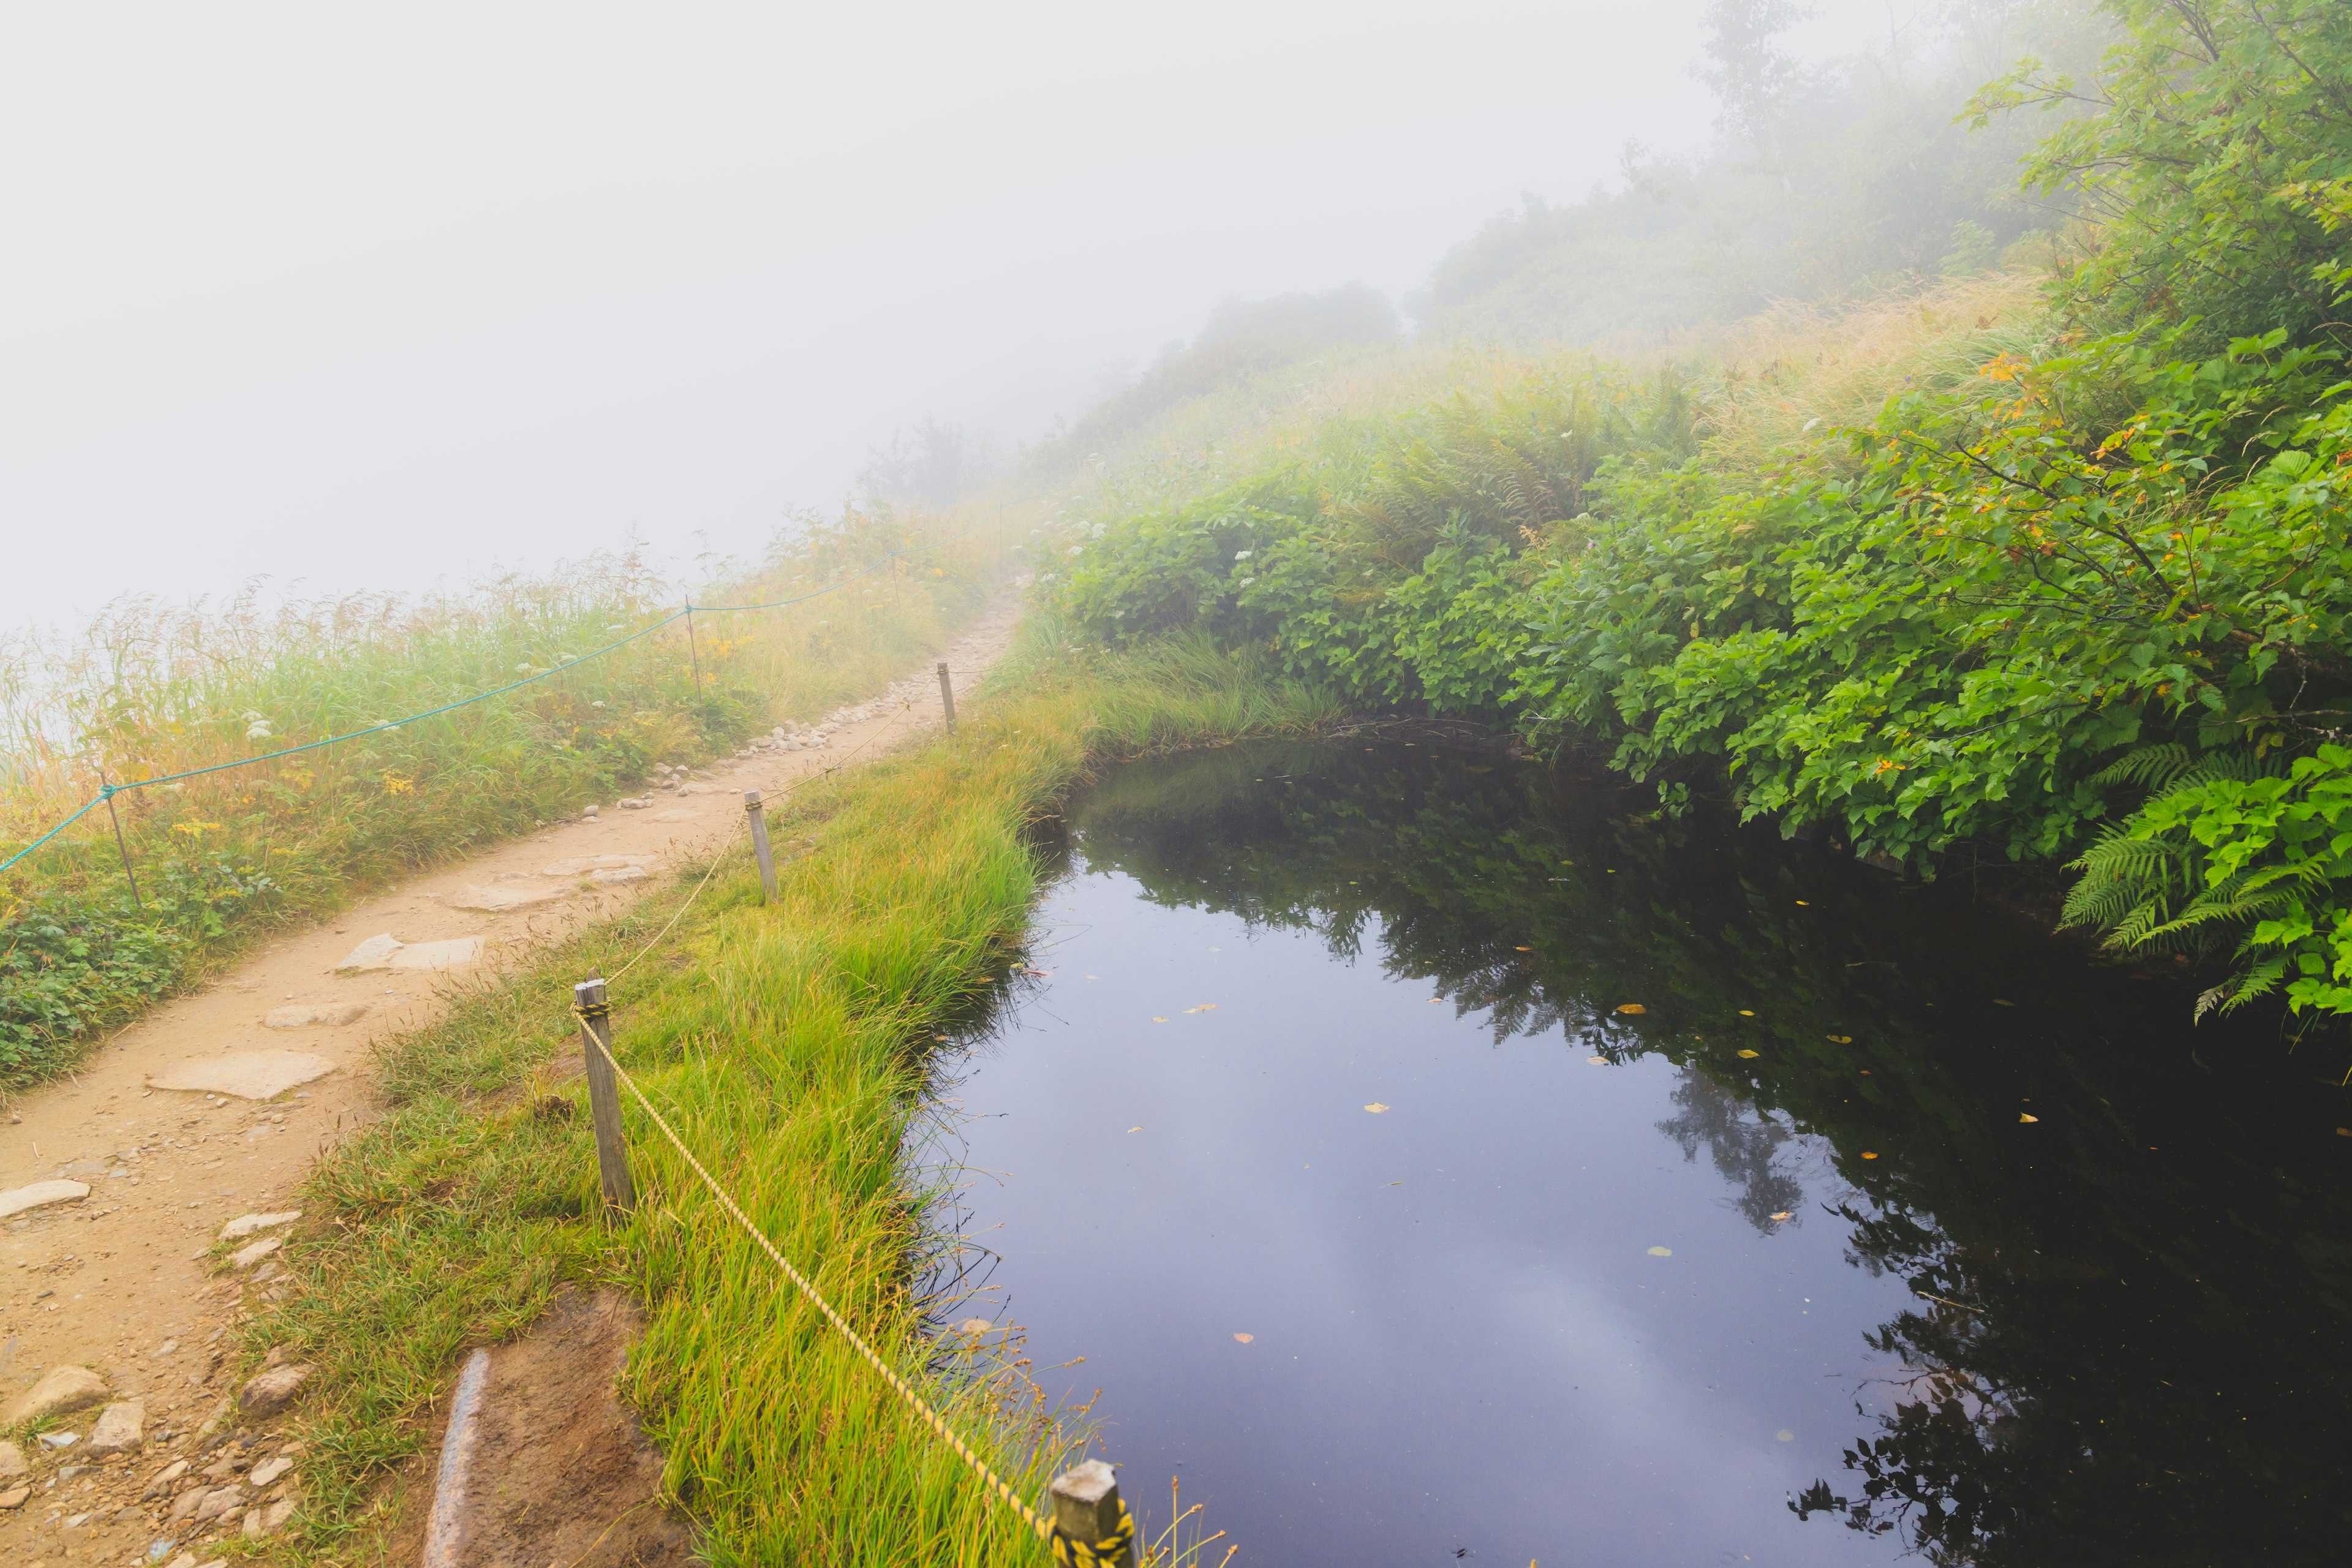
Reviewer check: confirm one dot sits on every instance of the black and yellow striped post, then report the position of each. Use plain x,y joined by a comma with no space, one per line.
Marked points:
1091,1526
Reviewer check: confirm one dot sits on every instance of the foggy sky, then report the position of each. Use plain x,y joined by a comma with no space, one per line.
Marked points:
386,299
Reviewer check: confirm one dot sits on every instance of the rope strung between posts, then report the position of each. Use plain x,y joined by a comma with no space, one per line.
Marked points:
1066,1549
108,791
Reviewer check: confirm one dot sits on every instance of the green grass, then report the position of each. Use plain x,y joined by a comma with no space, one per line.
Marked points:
220,859
788,1047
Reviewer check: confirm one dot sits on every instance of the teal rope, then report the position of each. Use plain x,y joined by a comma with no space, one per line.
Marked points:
86,806
109,791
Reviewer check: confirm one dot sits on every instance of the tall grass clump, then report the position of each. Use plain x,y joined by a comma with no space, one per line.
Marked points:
150,689
788,1045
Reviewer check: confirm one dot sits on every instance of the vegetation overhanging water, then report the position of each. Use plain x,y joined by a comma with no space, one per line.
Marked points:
2078,1268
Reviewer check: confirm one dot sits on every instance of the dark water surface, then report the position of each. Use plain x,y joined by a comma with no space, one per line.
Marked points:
1703,1224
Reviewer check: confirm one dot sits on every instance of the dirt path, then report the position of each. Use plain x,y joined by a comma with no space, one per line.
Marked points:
116,1280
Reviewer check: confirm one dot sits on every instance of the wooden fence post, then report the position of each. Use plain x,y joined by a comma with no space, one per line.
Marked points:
947,695
604,1095
760,850
1087,1509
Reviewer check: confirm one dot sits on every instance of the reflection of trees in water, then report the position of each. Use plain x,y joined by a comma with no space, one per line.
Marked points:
2104,1347
1750,1147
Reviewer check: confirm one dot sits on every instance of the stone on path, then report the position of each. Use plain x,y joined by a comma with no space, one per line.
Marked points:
454,953
15,1498
62,1391
620,873
495,900
587,863
374,953
270,1469
273,1391
12,1459
40,1192
248,1257
266,1521
246,1224
249,1075
315,1016
120,1429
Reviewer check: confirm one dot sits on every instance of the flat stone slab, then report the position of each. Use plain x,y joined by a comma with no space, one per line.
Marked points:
315,1016
249,1075
39,1194
454,953
246,1258
246,1224
585,864
615,874
494,901
374,953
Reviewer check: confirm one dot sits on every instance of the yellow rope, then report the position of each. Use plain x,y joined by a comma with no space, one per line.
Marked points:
1013,1500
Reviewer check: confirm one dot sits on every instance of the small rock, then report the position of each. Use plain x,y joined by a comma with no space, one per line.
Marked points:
60,1440
62,1391
226,1500
265,1521
273,1391
16,1497
167,1347
249,1075
246,1258
184,1560
40,1193
162,1483
268,1470
635,804
120,1428
620,873
246,1225
268,1273
12,1459
315,1016
217,1419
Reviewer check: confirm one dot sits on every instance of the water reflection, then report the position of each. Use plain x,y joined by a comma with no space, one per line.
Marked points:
2032,1272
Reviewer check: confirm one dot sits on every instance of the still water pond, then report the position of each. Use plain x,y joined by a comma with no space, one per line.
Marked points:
1434,1158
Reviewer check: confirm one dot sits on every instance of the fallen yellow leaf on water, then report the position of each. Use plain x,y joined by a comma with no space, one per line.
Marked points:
1662,1252
2344,1132
1244,1339
1376,1108
1751,1053
1802,904
1839,1040
1746,1012
1159,1020
1868,1155
2023,1116
1785,1214
1523,949
1135,1129
1598,1061
1633,1007
2000,1002
1203,1007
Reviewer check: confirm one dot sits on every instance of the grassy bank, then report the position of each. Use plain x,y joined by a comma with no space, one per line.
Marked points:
788,1045
147,692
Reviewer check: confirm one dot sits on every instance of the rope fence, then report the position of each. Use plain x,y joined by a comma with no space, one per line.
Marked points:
1091,1526
108,791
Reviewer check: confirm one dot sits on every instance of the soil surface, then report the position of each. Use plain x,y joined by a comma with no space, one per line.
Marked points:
121,1281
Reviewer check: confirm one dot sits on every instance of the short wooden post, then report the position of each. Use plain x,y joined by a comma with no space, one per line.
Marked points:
1087,1509
604,1095
760,850
947,695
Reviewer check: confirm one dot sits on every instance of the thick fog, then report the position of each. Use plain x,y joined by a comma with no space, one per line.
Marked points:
381,298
